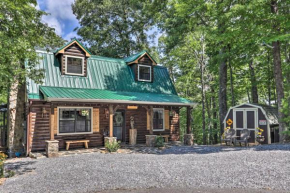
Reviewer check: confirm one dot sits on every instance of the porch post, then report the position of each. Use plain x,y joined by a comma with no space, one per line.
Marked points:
151,120
188,121
52,117
111,110
188,137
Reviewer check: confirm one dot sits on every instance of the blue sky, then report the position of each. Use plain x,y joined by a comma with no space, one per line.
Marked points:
60,17
64,21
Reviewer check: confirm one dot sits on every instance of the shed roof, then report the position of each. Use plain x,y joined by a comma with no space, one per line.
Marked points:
270,112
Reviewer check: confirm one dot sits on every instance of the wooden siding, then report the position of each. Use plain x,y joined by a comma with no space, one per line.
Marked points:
261,116
73,50
40,125
141,125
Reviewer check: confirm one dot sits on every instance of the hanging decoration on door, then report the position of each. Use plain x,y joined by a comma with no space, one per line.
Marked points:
229,122
119,118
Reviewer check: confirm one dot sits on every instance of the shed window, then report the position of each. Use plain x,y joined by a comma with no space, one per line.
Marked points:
74,65
144,73
158,119
75,120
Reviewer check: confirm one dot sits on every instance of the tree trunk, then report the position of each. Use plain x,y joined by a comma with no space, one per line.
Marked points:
269,80
16,111
232,82
214,116
254,89
278,76
222,91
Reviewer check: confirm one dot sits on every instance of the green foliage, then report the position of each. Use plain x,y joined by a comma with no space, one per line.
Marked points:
244,31
21,31
2,159
113,28
112,146
10,174
159,141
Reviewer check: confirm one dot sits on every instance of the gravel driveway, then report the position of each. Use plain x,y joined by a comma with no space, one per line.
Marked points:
261,168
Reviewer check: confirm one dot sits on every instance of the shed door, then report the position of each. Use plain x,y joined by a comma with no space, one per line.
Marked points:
246,119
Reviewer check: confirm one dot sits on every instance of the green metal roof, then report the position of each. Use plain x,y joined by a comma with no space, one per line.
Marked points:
135,56
77,94
84,47
107,78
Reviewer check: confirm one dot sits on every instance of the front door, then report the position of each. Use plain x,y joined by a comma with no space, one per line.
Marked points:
119,125
246,119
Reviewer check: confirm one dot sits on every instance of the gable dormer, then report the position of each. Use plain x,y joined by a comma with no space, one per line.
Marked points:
142,65
73,58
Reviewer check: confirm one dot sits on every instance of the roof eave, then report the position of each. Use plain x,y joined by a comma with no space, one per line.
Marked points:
50,99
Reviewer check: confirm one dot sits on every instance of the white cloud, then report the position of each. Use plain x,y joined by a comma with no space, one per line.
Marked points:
54,23
71,35
60,11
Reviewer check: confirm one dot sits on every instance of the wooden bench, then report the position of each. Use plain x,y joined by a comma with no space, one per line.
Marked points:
77,141
165,137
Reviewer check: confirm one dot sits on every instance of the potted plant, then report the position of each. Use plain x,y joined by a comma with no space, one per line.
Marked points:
259,138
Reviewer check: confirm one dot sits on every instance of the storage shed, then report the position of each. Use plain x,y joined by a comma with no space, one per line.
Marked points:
252,116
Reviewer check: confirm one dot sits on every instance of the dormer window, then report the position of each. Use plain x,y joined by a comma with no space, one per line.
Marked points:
144,73
74,65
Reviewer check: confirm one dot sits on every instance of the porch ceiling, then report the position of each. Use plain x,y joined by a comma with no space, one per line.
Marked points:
98,95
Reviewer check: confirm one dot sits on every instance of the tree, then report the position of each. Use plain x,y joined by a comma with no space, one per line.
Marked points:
21,31
113,28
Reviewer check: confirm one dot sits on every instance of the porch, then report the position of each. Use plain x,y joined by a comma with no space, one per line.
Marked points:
108,120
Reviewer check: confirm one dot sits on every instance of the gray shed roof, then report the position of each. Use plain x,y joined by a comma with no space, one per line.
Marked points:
271,113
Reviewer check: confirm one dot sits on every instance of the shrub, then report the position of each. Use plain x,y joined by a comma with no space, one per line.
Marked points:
3,156
112,146
159,141
10,173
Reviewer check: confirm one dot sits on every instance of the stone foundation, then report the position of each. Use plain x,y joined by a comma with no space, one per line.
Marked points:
151,140
188,139
132,136
110,139
51,148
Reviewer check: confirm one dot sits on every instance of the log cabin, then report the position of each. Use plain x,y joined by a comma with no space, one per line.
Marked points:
88,97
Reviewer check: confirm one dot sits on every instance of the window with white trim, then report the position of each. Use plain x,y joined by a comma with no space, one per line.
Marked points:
75,120
144,73
158,119
74,65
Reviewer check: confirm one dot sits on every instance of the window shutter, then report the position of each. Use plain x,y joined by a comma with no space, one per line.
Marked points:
55,121
148,120
166,117
96,120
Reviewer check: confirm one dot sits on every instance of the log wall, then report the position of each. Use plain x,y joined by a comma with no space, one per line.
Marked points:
39,130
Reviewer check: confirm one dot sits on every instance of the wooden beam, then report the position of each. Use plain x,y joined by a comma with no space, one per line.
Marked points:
151,120
188,121
51,124
111,110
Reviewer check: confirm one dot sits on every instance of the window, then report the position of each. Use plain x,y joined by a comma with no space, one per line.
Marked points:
75,120
158,119
144,73
74,65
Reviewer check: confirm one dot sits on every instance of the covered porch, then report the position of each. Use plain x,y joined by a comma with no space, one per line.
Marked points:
152,114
